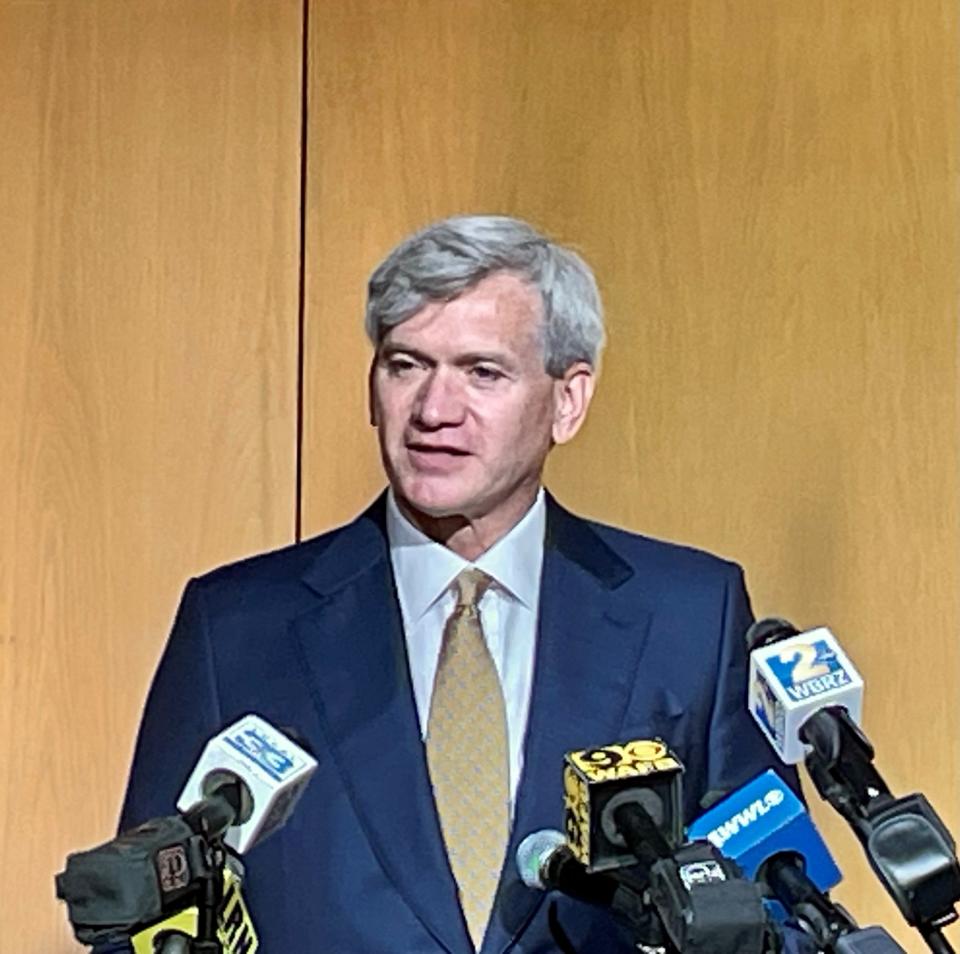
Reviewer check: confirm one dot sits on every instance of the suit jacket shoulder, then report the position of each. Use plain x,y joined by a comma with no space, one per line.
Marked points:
295,574
653,569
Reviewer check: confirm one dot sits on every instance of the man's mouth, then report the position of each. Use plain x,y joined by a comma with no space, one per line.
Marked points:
440,458
437,449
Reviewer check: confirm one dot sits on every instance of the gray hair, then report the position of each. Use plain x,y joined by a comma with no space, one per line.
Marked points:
447,258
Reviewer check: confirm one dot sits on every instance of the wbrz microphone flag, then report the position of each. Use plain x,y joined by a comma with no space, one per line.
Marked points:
792,678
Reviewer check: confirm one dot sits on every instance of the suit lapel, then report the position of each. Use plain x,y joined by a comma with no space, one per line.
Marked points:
590,639
353,650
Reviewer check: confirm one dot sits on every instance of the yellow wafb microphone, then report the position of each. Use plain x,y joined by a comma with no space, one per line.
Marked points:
599,782
235,929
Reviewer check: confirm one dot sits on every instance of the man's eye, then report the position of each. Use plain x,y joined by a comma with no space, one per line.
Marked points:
399,365
485,373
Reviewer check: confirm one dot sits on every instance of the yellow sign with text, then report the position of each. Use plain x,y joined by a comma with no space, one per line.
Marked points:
235,928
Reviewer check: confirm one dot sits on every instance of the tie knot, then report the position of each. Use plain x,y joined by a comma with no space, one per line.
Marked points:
471,585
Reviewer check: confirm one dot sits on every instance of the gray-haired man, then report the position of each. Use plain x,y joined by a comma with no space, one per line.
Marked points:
444,650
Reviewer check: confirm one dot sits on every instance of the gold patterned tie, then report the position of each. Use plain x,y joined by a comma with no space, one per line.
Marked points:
467,755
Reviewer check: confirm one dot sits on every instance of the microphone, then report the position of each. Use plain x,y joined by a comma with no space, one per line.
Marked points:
762,819
766,829
273,769
706,904
235,930
793,675
695,900
827,923
246,783
134,880
546,862
623,810
814,716
604,786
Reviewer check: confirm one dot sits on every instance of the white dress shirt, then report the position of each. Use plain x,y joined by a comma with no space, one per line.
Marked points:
425,571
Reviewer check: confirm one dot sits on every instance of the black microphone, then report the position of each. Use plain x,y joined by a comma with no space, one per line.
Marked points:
243,788
227,802
805,695
545,862
706,904
137,878
622,806
619,791
828,923
772,629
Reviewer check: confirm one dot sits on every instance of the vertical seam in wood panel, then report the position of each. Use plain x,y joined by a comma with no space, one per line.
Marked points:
302,270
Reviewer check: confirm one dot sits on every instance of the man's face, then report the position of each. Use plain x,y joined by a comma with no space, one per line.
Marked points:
465,410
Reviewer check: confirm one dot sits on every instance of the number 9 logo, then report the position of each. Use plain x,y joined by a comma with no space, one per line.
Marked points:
601,758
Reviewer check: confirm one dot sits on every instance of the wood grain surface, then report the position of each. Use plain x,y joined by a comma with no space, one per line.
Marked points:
149,197
766,188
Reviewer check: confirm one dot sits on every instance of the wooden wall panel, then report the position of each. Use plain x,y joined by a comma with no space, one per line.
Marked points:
149,209
768,193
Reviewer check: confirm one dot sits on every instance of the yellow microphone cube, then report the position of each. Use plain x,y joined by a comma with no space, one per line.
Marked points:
596,781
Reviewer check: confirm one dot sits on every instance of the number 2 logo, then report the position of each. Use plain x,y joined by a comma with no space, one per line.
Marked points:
805,664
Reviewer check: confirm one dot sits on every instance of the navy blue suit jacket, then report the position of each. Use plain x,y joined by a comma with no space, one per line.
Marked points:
637,638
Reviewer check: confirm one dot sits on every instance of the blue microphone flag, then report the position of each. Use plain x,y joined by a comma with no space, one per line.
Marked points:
761,819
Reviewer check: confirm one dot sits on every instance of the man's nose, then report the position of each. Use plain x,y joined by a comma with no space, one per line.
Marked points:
440,401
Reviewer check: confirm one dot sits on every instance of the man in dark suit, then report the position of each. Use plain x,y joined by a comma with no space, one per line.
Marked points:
443,651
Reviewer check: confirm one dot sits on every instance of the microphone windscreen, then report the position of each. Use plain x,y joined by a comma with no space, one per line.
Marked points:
768,630
534,852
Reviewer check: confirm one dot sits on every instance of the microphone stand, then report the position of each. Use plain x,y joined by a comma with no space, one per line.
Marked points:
209,899
906,842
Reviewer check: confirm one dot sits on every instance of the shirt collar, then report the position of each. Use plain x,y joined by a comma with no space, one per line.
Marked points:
424,569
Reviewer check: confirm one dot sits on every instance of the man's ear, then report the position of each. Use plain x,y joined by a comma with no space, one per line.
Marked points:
571,399
371,404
